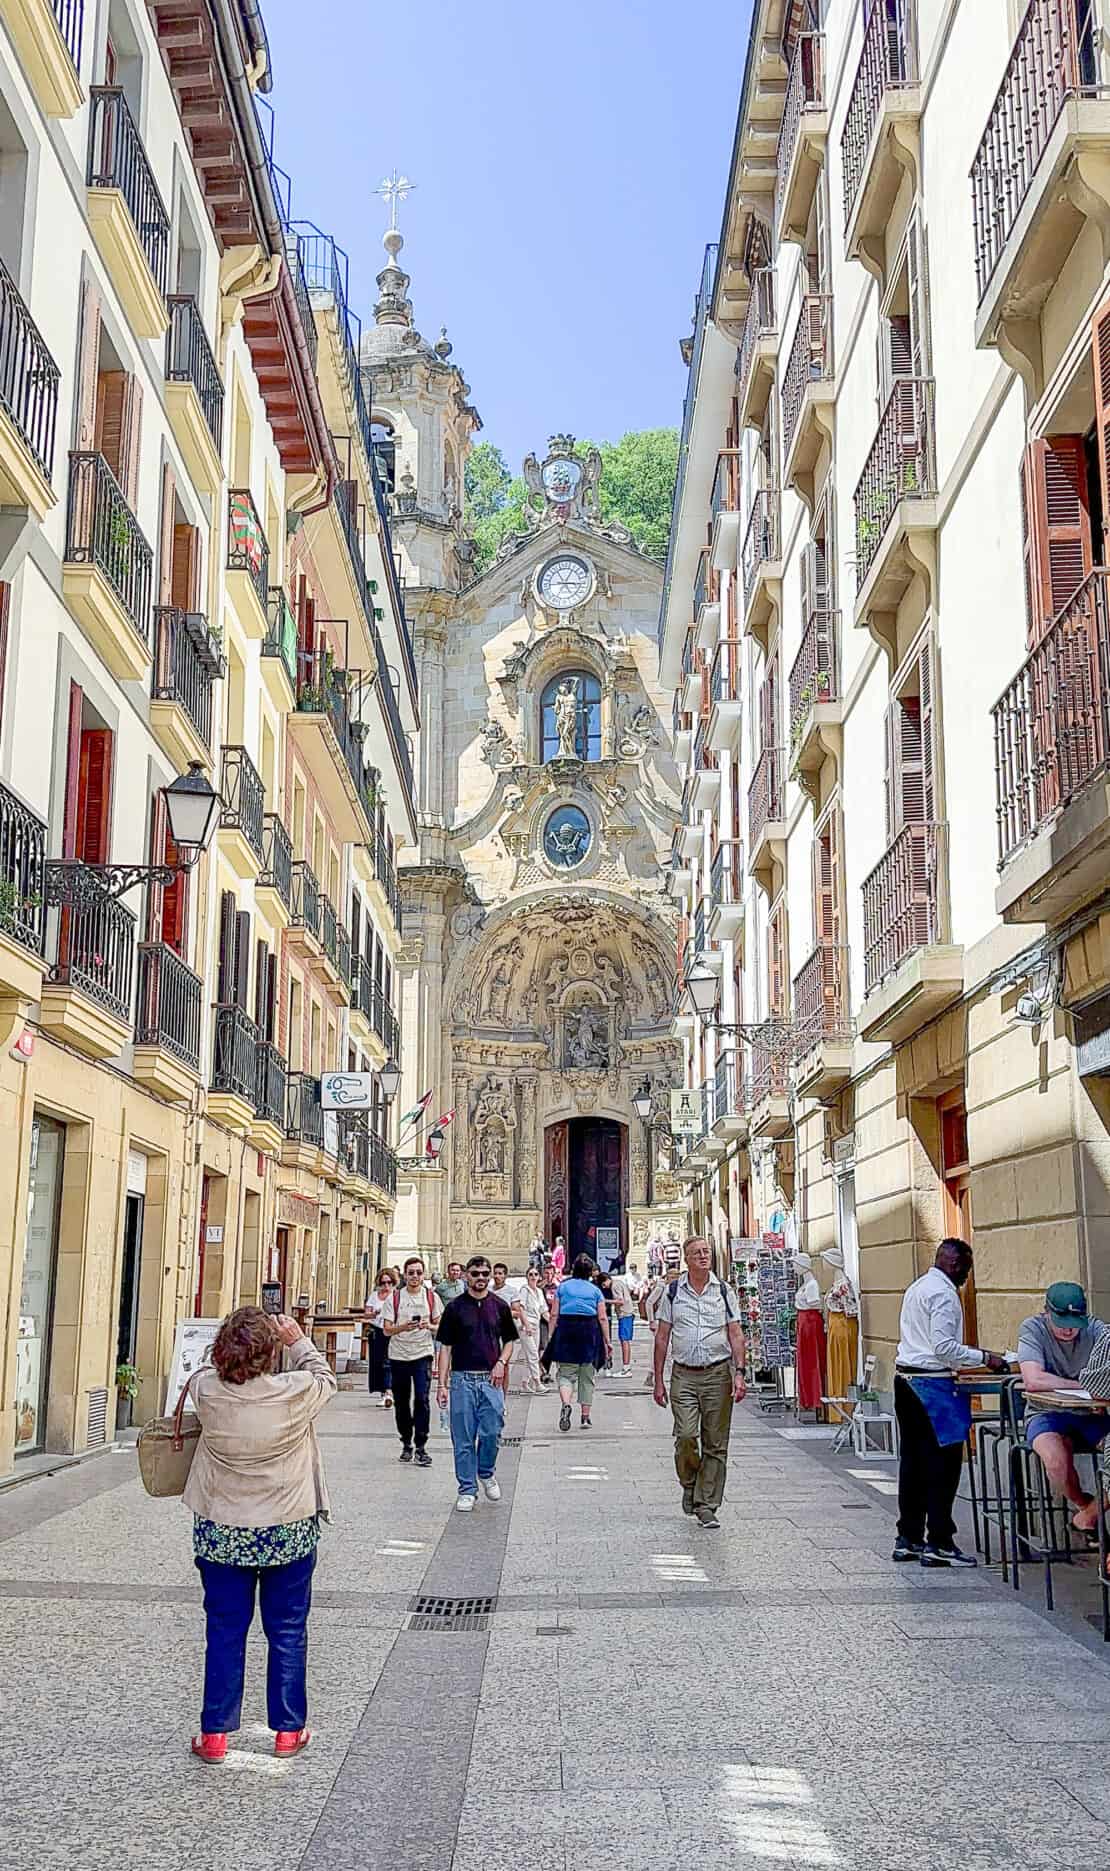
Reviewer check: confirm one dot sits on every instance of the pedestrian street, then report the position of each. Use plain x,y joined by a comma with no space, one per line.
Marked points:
642,1691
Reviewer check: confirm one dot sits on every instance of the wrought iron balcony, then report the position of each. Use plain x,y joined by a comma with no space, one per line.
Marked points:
22,874
102,531
386,873
821,1000
382,1164
329,931
730,1093
117,159
269,1090
280,641
762,540
724,510
235,1054
810,362
244,798
766,794
277,860
168,1012
325,689
755,371
184,665
70,15
888,65
29,377
385,1024
814,676
797,162
726,889
901,466
902,901
304,1117
362,988
725,690
96,941
770,1061
305,899
189,359
248,549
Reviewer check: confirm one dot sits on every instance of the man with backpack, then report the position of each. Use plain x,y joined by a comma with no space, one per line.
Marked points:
409,1325
696,1320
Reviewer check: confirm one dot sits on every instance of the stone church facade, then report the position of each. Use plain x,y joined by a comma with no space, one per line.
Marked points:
539,955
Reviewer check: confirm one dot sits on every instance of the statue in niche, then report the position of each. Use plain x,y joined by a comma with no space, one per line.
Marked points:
611,976
501,980
586,1040
491,1151
566,718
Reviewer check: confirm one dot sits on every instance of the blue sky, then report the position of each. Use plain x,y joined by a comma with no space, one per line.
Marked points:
571,163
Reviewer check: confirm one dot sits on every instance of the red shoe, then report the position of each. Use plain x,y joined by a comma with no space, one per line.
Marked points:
291,1741
212,1749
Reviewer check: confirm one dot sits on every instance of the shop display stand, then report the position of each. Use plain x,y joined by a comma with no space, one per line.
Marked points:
763,1284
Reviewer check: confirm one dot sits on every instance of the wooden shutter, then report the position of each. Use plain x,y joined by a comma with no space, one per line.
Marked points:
768,705
242,958
225,980
175,902
94,796
132,420
88,352
270,1021
1100,340
926,688
261,982
111,396
166,536
185,557
890,772
815,580
156,853
356,924
824,910
776,963
1056,515
73,771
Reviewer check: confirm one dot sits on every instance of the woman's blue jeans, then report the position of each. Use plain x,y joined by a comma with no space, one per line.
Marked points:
284,1596
477,1419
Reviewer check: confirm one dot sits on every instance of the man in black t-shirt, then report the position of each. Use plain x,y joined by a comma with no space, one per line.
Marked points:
474,1346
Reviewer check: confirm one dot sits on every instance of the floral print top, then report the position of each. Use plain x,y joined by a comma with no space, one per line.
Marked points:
255,1546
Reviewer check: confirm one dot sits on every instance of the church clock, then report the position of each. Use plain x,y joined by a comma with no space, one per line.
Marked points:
565,582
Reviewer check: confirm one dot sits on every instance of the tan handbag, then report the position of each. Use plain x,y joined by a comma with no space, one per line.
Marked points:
166,1449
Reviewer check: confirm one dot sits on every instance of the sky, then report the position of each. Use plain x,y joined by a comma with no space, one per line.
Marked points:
570,163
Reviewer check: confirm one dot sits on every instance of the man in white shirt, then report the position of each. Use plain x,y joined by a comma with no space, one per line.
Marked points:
626,1320
930,1348
697,1319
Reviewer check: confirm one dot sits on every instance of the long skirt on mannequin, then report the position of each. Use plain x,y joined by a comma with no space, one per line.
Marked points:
842,1353
809,1359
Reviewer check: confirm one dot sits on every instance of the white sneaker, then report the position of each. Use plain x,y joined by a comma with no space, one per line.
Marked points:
466,1504
492,1489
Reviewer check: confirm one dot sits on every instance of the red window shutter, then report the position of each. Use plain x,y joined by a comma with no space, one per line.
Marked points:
225,980
832,838
823,905
111,397
175,903
88,352
184,579
1058,516
94,796
154,895
73,772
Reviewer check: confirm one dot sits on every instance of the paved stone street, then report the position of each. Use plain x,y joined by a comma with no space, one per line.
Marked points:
646,1693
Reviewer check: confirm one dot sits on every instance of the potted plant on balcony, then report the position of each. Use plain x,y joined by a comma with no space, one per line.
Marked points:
127,1389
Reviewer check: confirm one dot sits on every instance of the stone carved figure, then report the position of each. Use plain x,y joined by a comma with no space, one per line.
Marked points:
494,1119
491,1151
586,1040
501,980
611,977
566,718
497,749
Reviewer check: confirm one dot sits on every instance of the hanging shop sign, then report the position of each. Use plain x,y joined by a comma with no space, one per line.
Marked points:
346,1091
686,1112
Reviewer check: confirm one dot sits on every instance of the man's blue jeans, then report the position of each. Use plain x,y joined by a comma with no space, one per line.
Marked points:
477,1419
285,1594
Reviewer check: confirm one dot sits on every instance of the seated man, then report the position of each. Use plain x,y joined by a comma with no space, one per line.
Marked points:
1054,1348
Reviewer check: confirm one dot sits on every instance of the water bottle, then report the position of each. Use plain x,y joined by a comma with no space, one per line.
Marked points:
444,1421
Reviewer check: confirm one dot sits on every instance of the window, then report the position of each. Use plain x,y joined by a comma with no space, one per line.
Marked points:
233,976
87,824
167,909
904,321
911,794
385,451
571,698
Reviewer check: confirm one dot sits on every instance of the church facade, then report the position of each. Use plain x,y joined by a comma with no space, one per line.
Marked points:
539,955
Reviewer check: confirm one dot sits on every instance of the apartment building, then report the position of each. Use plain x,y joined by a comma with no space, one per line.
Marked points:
192,576
884,621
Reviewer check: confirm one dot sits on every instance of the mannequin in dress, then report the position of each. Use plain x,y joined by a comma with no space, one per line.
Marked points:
809,1361
842,1311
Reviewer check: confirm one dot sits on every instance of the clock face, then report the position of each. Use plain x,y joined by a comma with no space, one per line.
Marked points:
561,478
567,837
565,582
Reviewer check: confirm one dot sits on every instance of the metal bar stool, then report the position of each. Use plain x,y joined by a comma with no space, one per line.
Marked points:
1029,1489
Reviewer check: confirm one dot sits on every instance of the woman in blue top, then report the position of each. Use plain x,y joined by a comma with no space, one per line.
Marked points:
579,1340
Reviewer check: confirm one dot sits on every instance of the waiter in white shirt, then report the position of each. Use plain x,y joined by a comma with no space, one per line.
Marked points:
933,1417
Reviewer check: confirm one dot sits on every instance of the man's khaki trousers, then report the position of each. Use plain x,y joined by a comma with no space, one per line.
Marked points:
701,1403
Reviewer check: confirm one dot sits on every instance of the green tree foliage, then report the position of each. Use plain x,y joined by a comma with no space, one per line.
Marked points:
637,487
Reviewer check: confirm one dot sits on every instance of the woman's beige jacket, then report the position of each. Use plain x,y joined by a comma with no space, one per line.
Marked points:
258,1462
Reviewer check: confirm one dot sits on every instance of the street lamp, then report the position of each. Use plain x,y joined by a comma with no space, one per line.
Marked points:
702,986
192,810
389,1078
434,1144
642,1102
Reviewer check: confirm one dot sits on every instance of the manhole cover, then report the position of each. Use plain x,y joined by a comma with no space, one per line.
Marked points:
511,1442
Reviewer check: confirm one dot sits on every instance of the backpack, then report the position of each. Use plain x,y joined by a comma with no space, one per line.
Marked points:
672,1289
431,1304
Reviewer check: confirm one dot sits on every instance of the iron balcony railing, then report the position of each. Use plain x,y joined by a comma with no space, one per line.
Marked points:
248,549
304,1117
382,1164
277,859
101,530
346,508
362,987
386,873
688,655
903,901
1056,56
269,1084
821,1000
726,874
708,1107
729,1090
810,361
343,955
725,497
96,940
235,1053
385,1023
22,874
324,689
281,632
705,757
244,797
168,1004
29,377
1052,723
354,1152
888,62
814,673
117,159
766,793
703,583
697,346
805,90
305,899
770,1061
759,322
300,291
901,465
699,937
189,359
761,538
329,930
726,672
182,670
70,15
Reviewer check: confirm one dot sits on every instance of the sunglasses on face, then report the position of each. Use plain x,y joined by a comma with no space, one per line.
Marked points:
480,1276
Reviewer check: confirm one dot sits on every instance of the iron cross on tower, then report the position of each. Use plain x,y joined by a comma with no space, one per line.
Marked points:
394,190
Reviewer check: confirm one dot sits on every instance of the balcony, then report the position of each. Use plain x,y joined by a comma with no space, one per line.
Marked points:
730,1099
690,683
385,891
382,1164
248,564
107,574
47,37
22,912
362,997
910,970
385,1024
126,213
304,1121
896,510
185,667
329,942
882,130
323,731
240,833
805,128
29,380
808,396
1040,175
86,1001
273,890
767,818
758,352
816,713
822,1028
680,867
354,1161
194,394
234,1069
769,1088
707,604
268,1128
1052,765
304,913
724,511
682,733
704,784
761,565
712,1143
726,712
279,651
726,891
167,1023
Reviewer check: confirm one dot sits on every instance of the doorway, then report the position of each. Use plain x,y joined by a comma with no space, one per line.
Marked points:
586,1187
956,1171
129,1296
36,1303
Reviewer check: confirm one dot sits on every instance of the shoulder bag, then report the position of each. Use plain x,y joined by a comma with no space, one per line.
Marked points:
166,1449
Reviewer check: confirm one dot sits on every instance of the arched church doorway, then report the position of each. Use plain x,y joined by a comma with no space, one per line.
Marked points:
586,1187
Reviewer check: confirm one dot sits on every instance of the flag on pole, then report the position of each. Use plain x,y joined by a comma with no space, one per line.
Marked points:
418,1110
440,1124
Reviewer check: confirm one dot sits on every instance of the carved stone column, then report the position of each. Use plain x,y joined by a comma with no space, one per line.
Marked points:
460,1159
526,1153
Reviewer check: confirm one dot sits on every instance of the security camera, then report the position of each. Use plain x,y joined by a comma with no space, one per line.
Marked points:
1028,1010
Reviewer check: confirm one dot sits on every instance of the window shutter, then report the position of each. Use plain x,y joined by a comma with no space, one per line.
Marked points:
899,345
815,580
356,924
926,688
88,353
909,769
242,958
776,963
832,836
166,537
270,1021
94,798
823,906
1034,620
1100,330
261,956
890,773
131,435
185,555
226,976
155,893
175,903
111,391
1059,522
73,772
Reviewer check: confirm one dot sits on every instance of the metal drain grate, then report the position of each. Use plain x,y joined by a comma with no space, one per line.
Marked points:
435,1607
511,1442
447,1627
97,1434
859,1507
